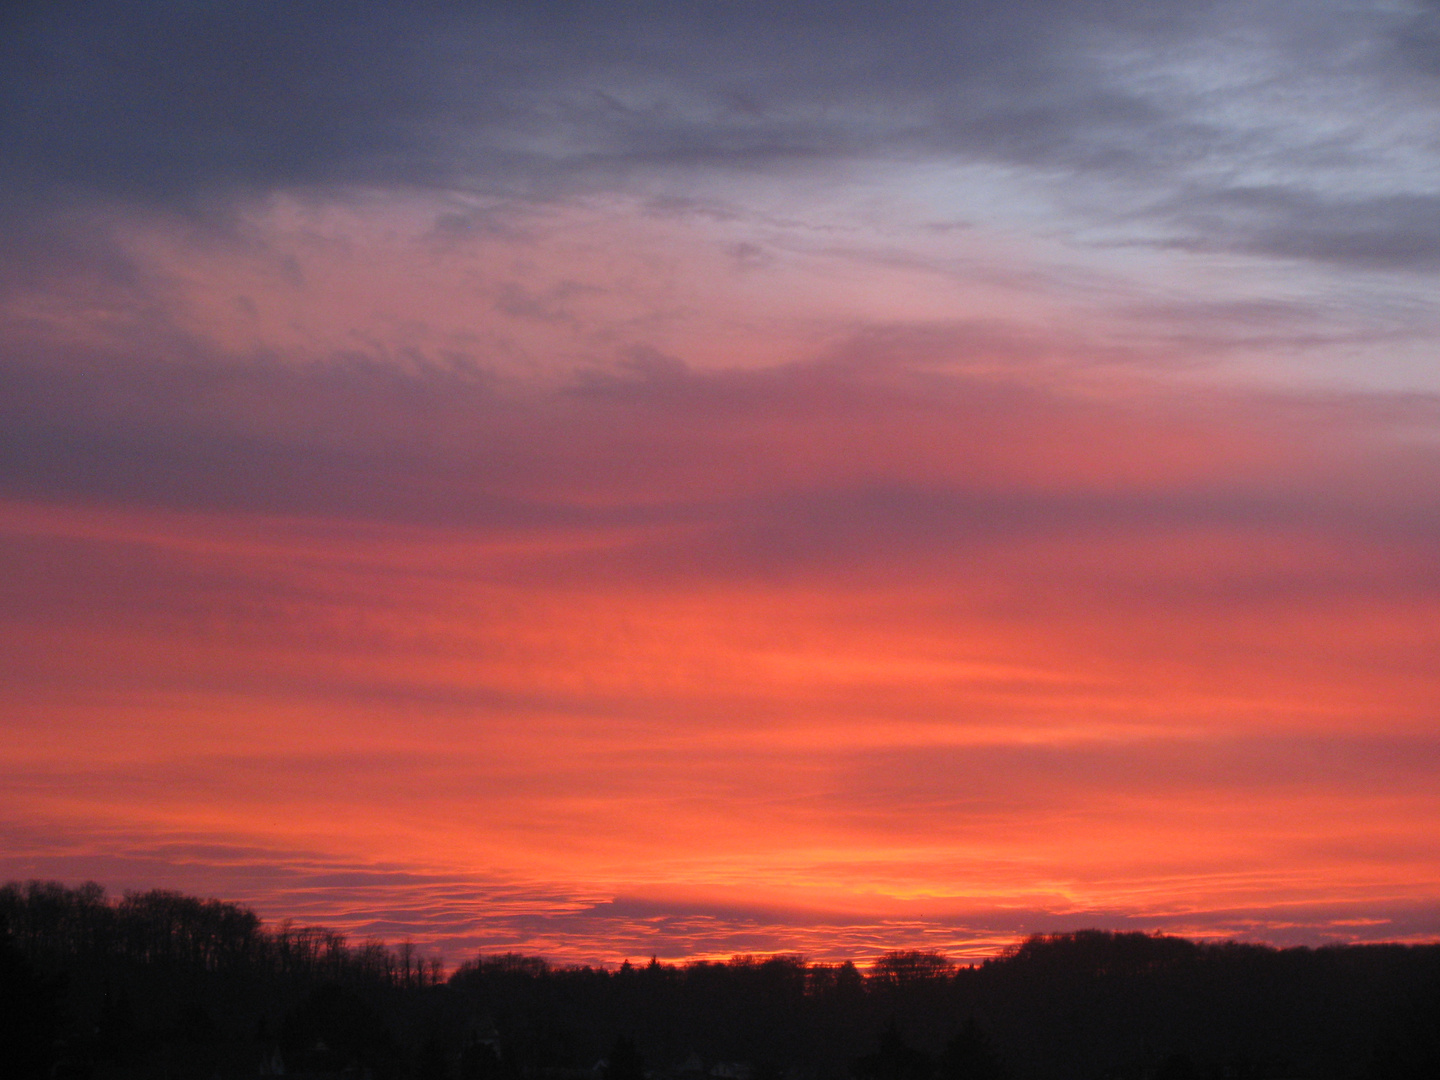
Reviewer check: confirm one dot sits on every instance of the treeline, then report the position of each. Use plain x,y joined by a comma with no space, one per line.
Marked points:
163,985
159,984
52,924
1090,1005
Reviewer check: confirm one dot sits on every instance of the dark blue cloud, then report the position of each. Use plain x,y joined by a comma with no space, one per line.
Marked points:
172,102
187,106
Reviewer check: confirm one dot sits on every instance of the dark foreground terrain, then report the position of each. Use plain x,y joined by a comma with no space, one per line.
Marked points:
162,985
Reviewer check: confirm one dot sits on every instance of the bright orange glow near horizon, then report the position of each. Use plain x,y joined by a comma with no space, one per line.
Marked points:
521,541
855,711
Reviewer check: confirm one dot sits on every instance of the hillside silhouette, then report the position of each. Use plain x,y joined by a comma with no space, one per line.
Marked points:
161,985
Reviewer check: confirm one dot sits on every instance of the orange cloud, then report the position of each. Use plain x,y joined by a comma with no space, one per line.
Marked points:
916,646
882,633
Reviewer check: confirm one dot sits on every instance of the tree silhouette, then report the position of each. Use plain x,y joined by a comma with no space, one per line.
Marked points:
907,968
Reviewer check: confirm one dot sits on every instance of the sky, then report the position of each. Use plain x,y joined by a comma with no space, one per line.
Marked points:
689,479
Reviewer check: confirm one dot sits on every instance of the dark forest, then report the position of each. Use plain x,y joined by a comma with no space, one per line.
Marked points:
163,985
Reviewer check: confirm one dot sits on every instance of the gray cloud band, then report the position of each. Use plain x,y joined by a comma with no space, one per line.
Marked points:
186,107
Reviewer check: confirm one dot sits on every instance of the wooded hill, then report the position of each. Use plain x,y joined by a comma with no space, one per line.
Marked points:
164,985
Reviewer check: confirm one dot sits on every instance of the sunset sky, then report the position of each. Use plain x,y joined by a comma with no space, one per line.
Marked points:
612,479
